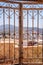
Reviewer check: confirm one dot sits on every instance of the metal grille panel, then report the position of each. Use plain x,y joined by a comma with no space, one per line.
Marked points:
21,33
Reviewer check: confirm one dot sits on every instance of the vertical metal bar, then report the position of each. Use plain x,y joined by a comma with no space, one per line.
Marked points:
42,45
14,41
32,30
20,36
4,30
27,36
37,30
14,34
9,30
42,40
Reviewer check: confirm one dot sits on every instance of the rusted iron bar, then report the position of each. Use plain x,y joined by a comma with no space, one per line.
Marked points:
7,1
42,44
20,36
4,30
9,7
32,8
27,34
22,8
9,29
18,2
14,36
37,30
32,30
25,63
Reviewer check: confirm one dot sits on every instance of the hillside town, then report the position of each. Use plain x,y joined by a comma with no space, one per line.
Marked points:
37,39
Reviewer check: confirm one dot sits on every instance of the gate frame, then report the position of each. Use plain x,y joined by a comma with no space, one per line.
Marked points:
21,26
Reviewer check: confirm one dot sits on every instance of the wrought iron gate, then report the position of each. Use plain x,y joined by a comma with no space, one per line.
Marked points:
21,33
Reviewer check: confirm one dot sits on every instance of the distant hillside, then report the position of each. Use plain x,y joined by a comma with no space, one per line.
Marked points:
17,28
7,28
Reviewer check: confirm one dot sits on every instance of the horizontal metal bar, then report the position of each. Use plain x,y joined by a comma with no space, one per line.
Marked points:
33,62
32,8
6,60
18,2
22,8
32,2
33,58
9,2
8,7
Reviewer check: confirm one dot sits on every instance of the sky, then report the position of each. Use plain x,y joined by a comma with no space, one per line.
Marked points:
24,18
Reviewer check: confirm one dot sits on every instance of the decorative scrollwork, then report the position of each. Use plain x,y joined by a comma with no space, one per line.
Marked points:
33,6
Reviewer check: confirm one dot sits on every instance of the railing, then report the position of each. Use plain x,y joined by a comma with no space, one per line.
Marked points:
21,33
